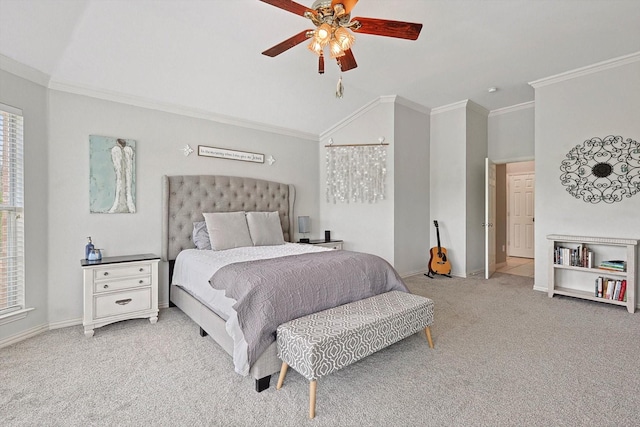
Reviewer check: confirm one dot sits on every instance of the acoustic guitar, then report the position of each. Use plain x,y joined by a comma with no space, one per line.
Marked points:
439,262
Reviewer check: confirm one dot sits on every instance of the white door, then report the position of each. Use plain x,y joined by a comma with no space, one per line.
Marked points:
520,234
489,218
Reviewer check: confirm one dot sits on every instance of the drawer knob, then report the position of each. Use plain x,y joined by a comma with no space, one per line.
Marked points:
105,286
123,301
141,269
141,281
106,273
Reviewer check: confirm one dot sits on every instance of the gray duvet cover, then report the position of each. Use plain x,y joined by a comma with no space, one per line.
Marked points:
273,291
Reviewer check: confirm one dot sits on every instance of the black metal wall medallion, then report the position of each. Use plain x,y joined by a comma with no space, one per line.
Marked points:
602,169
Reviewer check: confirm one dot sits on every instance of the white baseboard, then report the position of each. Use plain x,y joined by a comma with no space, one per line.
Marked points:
65,323
23,335
413,273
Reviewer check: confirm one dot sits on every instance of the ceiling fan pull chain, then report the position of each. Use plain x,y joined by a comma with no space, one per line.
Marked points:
339,88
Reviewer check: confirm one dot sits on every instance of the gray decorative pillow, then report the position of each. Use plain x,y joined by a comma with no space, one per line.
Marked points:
201,236
265,228
227,230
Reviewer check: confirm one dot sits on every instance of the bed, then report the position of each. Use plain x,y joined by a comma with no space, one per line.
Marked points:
186,200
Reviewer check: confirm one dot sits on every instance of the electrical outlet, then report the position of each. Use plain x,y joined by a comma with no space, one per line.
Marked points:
503,248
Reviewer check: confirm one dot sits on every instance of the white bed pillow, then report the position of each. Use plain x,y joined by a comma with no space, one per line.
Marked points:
201,236
227,230
265,228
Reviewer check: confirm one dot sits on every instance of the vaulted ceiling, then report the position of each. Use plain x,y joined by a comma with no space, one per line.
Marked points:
205,55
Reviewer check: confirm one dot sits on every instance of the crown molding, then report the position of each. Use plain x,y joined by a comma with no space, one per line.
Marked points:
176,109
24,71
385,99
356,114
477,108
589,69
449,107
413,105
512,108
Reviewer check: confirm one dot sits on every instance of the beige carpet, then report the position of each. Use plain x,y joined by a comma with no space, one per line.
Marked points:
504,355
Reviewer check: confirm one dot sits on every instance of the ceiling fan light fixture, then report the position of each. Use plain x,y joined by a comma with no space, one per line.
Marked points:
345,38
323,34
335,49
315,46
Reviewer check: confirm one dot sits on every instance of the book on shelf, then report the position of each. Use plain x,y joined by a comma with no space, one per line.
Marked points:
616,292
613,265
581,256
623,290
606,293
611,289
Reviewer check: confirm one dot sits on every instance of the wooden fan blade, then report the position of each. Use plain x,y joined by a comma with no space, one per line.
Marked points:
347,62
384,27
289,6
287,44
348,4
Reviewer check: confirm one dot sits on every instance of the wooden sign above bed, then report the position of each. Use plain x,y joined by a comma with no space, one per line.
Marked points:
224,153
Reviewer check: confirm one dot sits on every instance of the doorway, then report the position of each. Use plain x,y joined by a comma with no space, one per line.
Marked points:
514,218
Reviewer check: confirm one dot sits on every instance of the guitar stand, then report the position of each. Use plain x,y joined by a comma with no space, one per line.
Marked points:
431,273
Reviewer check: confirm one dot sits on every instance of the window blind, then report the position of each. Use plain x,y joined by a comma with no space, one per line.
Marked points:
11,210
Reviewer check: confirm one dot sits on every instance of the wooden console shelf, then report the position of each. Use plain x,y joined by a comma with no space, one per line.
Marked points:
578,282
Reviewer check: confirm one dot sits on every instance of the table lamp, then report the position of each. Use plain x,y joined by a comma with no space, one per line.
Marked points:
304,227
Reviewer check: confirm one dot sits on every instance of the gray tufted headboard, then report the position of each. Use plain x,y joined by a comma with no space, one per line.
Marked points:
186,197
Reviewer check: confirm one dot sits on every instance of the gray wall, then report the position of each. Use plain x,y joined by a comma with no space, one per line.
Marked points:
411,211
568,111
160,138
511,133
448,152
364,227
475,186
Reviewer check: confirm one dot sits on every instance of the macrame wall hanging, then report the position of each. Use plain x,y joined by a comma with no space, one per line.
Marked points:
356,173
602,170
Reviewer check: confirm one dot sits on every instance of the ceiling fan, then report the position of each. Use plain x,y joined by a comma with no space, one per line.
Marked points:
334,26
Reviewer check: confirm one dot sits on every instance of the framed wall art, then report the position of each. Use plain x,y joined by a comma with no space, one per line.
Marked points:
112,175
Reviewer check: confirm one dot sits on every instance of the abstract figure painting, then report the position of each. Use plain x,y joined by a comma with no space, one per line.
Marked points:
112,175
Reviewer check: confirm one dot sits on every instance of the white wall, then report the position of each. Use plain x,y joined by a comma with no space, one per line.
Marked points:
31,98
569,110
159,137
364,227
411,204
447,182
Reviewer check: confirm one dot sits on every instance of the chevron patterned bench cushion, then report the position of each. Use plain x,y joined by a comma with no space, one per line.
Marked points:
323,342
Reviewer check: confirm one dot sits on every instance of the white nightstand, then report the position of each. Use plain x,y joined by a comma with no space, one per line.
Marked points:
119,288
333,244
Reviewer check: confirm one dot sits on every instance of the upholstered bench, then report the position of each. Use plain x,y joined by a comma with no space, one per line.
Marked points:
323,342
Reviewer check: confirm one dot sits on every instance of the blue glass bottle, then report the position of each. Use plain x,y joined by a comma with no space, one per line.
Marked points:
88,249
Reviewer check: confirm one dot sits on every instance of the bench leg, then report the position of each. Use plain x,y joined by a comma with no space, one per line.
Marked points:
283,373
312,398
427,332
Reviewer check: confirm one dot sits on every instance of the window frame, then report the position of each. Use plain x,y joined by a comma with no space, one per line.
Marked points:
12,257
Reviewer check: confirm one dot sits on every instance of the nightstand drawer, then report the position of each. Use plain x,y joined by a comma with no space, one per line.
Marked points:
332,245
122,302
114,285
114,272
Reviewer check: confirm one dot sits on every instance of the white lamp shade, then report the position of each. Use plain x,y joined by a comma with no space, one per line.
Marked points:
304,224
